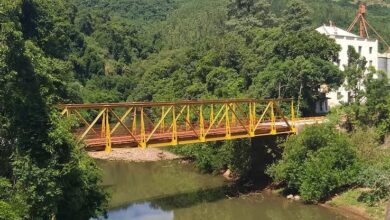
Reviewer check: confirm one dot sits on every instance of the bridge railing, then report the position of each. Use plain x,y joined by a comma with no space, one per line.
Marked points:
157,124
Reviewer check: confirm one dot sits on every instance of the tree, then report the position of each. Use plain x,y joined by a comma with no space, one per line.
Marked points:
47,168
299,63
244,15
355,72
86,24
316,163
296,17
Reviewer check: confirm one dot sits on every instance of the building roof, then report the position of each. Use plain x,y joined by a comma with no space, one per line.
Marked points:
335,31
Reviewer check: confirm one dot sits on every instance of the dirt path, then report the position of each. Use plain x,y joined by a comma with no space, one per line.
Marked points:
134,155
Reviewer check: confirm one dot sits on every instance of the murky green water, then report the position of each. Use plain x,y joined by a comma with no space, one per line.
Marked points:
169,190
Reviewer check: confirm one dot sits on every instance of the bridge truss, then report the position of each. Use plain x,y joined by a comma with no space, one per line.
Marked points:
158,124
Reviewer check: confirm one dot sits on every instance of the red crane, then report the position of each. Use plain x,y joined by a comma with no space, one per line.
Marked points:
364,25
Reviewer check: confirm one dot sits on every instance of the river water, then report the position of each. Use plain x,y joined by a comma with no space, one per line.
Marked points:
170,190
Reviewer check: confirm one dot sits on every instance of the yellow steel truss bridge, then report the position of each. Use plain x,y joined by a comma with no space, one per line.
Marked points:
158,124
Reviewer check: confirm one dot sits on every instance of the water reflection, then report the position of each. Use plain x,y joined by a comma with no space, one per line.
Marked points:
143,211
168,190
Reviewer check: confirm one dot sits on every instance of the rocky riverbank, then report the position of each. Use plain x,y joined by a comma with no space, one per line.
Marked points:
134,155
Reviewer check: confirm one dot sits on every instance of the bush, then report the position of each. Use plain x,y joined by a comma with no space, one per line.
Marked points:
216,156
11,205
316,163
7,212
376,177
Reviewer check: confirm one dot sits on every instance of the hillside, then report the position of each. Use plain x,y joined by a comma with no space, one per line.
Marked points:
121,36
172,24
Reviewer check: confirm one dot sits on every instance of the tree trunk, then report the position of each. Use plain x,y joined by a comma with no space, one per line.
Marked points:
299,99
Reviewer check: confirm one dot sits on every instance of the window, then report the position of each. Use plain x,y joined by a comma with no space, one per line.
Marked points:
370,50
370,62
360,49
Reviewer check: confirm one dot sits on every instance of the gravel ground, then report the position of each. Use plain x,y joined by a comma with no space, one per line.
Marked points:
134,154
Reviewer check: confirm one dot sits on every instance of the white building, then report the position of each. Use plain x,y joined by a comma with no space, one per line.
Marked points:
384,63
367,48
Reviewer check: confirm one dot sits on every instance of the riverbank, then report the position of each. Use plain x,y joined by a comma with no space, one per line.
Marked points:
134,155
348,203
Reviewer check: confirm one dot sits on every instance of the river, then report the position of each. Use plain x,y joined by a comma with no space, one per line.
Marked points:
170,190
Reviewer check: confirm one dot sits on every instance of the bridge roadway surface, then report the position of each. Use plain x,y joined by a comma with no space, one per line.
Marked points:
189,137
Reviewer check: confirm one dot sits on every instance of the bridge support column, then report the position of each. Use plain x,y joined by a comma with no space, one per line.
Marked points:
106,122
201,125
273,119
174,126
227,125
252,118
143,135
293,128
188,119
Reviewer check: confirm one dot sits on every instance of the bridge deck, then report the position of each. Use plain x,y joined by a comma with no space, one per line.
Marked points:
158,124
183,137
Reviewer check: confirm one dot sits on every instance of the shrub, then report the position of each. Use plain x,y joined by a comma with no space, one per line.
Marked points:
216,156
366,141
11,205
375,175
316,163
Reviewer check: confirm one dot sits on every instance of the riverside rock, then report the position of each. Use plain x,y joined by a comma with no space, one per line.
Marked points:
227,174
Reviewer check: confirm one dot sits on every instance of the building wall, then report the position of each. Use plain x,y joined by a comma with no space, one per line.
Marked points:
367,48
384,63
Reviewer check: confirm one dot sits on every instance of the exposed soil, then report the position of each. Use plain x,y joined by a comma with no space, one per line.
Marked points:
134,155
349,211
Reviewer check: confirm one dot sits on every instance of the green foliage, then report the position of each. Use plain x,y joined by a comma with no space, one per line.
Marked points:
47,169
11,204
376,177
316,163
246,14
296,16
374,173
218,156
298,64
354,74
132,10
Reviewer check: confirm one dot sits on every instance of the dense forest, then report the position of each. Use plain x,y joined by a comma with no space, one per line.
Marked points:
82,51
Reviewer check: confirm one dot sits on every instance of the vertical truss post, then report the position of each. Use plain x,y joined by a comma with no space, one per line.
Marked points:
227,121
293,128
107,131
233,109
174,126
163,119
251,119
103,131
188,118
201,124
211,113
254,111
143,135
134,129
273,118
